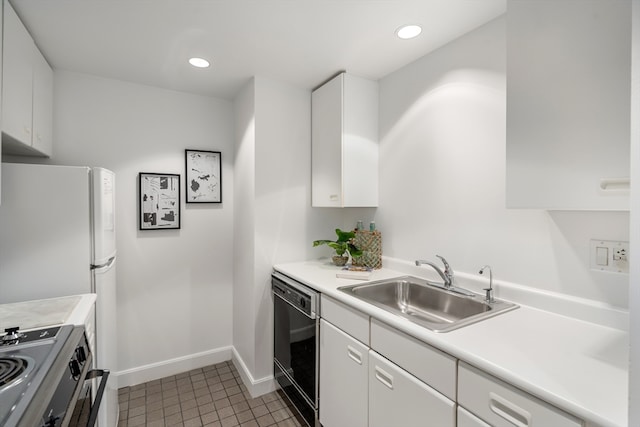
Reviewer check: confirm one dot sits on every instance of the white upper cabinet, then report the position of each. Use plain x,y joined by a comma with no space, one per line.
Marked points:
42,138
568,104
1,31
344,139
27,97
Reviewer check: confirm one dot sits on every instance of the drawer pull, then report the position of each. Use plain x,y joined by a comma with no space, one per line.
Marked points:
510,412
354,355
384,377
615,184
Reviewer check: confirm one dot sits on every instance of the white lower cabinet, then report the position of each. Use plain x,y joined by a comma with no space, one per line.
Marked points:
427,363
467,419
344,370
397,398
386,378
503,405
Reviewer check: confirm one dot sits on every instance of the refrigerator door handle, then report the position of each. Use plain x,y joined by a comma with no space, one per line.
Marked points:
105,265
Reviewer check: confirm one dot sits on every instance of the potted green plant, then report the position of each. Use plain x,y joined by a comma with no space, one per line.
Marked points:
343,246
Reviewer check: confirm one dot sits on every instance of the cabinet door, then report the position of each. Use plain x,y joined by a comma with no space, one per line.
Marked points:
568,104
343,379
467,419
17,78
1,31
344,143
326,144
359,142
397,398
42,104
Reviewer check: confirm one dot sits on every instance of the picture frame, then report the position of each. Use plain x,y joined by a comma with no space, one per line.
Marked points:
159,201
203,176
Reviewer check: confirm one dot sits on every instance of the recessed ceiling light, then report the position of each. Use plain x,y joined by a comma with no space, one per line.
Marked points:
199,62
408,31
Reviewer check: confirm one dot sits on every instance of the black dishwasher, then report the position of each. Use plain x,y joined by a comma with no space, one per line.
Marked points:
295,347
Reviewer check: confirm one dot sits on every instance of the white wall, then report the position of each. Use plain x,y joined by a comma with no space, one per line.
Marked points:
286,224
442,178
174,286
243,228
274,219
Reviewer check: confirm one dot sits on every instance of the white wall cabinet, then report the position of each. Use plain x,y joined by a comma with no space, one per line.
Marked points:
27,97
344,143
42,137
398,398
1,55
568,104
344,370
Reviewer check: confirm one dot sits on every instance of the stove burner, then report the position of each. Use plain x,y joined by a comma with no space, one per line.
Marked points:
11,368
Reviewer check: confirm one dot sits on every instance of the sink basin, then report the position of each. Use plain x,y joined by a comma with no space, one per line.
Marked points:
426,304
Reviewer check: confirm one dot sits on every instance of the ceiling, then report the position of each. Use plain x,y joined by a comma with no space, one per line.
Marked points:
301,42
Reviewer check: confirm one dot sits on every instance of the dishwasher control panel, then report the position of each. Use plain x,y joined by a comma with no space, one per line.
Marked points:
296,294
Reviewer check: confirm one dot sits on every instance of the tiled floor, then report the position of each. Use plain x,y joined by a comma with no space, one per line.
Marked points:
213,396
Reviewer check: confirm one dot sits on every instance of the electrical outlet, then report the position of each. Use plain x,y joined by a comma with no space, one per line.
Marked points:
610,255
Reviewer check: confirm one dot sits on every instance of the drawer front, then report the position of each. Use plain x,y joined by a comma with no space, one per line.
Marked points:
397,398
434,367
349,320
503,405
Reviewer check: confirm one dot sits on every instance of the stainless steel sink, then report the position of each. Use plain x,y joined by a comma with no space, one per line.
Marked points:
426,304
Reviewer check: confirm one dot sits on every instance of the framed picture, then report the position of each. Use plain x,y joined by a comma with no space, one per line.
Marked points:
203,176
159,203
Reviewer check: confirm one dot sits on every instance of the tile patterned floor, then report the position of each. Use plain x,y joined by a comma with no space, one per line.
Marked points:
213,396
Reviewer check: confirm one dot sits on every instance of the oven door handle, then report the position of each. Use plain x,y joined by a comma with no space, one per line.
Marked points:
95,373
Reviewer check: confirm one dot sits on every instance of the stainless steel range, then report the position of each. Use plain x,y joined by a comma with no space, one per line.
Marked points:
43,378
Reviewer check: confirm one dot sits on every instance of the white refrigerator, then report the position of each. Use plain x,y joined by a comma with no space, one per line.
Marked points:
57,238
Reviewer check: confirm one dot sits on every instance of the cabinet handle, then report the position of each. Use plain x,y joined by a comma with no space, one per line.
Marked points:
384,377
509,411
354,355
27,130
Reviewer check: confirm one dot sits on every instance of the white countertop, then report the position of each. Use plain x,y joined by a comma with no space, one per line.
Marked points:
580,367
46,312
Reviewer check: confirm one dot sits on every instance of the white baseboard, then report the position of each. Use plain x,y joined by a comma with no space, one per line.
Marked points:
175,366
154,371
255,387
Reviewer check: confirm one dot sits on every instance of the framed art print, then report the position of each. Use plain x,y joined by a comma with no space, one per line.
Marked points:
203,179
159,203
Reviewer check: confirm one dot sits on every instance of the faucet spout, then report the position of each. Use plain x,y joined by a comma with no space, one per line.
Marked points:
446,276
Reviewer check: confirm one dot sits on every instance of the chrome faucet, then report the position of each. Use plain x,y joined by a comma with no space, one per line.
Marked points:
447,277
447,274
489,291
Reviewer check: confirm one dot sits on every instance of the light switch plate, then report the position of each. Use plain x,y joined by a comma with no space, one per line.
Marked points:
609,255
